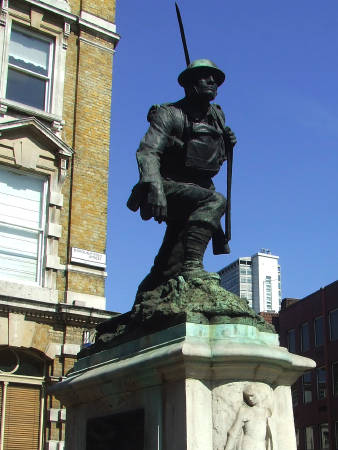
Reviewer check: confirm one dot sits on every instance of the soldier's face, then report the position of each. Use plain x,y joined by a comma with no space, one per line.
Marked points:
205,86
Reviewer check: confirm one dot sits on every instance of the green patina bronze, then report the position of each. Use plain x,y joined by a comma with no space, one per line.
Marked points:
184,148
177,301
196,67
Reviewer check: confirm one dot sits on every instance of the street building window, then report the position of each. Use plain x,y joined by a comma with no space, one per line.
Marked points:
333,315
30,68
294,394
20,362
307,387
324,436
22,226
22,374
304,337
291,340
268,293
309,441
335,378
321,383
319,331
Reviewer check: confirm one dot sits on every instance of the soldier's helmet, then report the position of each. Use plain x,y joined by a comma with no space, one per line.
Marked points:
198,66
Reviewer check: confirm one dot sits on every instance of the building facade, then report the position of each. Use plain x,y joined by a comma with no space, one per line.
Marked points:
309,327
256,278
55,96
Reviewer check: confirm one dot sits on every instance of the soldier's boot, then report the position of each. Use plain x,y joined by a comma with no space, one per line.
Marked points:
196,241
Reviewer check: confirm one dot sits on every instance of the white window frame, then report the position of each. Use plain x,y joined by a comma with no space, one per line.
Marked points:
41,230
54,112
309,436
322,428
49,78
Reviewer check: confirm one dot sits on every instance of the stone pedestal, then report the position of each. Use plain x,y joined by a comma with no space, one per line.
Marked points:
182,389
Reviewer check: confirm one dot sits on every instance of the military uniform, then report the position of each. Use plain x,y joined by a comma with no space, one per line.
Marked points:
183,151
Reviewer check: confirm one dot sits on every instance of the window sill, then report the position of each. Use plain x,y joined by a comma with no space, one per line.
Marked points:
6,104
28,292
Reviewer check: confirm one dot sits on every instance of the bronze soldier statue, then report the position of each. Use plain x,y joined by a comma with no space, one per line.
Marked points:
183,149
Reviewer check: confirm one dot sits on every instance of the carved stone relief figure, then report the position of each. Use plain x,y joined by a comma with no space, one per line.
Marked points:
253,427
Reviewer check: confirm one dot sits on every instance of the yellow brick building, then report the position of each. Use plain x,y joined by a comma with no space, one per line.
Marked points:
55,92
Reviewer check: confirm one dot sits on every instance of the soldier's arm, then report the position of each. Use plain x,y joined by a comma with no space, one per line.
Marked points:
153,144
148,156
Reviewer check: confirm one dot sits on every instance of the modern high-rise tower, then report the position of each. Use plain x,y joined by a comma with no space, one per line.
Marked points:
256,278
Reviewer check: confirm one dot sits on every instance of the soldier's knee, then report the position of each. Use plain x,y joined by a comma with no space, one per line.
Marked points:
219,201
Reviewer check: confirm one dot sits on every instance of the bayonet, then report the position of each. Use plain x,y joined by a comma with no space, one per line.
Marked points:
184,42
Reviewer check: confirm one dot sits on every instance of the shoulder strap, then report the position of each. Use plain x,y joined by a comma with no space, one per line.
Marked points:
218,115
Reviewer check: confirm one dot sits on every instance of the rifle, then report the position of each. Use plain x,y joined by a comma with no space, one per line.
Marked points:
220,239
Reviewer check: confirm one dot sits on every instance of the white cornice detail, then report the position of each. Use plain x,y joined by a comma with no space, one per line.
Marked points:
52,311
32,122
99,27
58,7
94,44
10,104
94,21
90,271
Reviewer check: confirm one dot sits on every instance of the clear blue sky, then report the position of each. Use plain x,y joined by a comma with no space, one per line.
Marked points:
281,99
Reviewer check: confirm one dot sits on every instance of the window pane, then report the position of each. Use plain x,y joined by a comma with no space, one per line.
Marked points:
29,52
307,387
294,394
335,378
19,253
305,339
8,360
334,325
20,199
26,89
30,365
321,382
319,331
324,436
21,233
309,444
291,341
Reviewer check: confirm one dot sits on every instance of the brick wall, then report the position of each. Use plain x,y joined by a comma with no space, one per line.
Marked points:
87,103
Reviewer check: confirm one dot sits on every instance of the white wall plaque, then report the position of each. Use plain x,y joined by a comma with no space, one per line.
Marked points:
87,257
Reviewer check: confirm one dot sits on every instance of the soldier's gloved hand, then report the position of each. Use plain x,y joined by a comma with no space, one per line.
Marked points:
231,136
157,201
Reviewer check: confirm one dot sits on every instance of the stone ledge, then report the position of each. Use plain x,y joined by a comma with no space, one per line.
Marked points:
28,292
184,351
90,301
